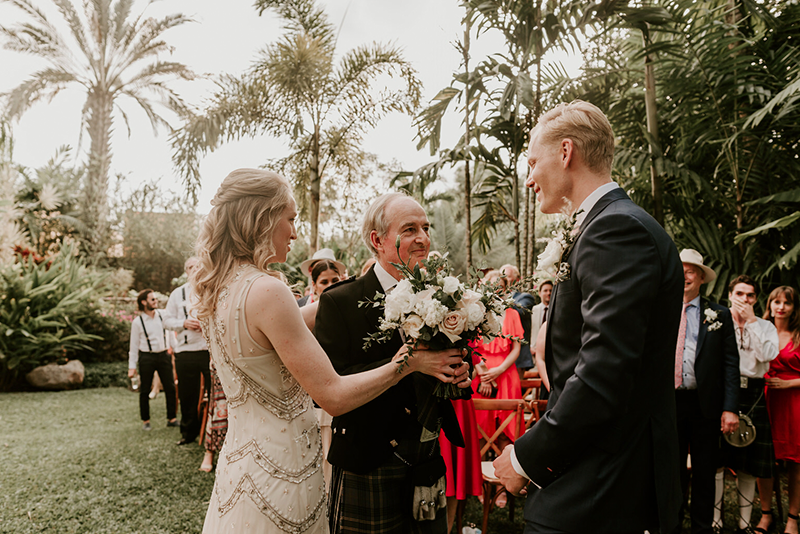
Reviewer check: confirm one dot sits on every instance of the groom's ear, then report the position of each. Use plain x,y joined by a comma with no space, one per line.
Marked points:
567,151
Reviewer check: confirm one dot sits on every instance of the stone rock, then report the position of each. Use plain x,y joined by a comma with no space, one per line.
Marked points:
54,376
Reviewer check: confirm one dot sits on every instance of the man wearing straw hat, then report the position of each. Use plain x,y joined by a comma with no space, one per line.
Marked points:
706,388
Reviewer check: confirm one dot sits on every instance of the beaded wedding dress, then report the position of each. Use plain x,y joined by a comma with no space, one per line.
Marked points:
269,475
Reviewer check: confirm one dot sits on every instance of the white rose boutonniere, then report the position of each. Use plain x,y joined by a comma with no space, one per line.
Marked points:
711,319
552,262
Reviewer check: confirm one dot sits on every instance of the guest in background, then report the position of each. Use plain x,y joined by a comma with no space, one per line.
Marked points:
523,302
322,271
499,379
757,341
148,349
783,393
538,318
191,355
216,422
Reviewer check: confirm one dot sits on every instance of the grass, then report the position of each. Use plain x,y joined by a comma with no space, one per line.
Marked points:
78,462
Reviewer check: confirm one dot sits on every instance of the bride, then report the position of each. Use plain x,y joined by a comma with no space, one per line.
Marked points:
269,473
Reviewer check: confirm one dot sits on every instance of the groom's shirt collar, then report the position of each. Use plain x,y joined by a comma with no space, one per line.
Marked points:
386,280
587,205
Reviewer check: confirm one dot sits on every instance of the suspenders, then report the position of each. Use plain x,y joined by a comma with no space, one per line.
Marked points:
147,338
185,313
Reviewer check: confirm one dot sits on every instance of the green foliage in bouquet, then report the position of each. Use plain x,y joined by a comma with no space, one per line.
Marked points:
41,307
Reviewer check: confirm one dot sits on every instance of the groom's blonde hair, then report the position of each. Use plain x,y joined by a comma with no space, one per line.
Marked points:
587,126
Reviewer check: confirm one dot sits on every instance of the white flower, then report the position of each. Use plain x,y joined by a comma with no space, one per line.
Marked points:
714,326
450,285
550,259
412,326
492,323
400,301
475,312
470,297
453,324
711,315
432,311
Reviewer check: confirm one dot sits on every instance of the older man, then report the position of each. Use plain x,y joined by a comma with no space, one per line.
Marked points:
603,458
707,388
382,450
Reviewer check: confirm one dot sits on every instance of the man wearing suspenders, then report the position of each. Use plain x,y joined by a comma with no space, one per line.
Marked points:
191,355
149,349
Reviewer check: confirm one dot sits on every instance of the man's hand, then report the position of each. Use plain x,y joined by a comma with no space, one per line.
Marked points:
461,375
191,324
441,364
743,310
730,422
513,481
131,373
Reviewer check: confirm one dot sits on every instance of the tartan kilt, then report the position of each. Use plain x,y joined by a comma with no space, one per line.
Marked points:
758,458
378,502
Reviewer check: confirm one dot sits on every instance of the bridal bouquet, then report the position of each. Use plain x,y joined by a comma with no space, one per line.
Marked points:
434,309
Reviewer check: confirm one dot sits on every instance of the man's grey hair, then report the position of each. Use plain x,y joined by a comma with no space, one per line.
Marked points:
375,218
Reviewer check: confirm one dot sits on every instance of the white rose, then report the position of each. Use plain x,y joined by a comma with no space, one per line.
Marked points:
422,296
412,326
451,285
470,297
550,258
493,323
453,324
475,313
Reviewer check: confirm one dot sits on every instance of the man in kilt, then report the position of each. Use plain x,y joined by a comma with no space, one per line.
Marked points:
757,341
381,451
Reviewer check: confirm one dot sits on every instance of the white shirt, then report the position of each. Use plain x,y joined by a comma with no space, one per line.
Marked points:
179,308
387,280
155,334
585,207
758,345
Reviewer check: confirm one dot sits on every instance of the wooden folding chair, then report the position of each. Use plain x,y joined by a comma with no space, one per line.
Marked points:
492,487
530,394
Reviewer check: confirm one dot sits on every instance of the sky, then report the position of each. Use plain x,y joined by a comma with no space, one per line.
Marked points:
225,38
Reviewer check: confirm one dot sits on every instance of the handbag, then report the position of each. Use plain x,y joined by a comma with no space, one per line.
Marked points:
746,433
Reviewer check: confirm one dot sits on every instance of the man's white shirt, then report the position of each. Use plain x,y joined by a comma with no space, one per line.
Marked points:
154,326
758,345
179,308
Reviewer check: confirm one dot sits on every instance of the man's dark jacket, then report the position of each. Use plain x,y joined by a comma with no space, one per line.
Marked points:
606,452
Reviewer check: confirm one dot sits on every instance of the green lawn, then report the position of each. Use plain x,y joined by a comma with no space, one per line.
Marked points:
78,462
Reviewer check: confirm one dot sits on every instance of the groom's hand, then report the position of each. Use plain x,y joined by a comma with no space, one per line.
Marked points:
504,470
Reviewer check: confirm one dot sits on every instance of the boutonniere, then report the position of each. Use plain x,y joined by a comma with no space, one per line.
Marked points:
552,262
711,319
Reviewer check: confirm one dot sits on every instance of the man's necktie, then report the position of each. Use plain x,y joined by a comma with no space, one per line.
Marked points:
544,315
679,348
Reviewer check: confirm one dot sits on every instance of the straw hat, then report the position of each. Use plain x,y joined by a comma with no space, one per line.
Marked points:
322,254
693,257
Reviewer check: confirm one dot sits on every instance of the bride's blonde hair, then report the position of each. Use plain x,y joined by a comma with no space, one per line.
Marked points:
239,229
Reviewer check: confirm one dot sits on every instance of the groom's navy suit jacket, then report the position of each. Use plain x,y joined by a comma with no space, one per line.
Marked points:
365,438
606,452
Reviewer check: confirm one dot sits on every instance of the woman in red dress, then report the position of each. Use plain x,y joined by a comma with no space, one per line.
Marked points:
499,355
783,392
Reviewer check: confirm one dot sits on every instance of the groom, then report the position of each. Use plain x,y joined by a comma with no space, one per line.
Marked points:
381,451
603,458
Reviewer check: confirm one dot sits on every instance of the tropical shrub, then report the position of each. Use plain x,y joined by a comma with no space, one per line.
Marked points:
41,308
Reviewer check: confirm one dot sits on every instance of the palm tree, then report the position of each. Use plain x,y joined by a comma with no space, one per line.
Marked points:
112,52
296,90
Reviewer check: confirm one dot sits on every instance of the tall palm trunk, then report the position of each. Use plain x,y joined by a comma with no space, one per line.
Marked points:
314,188
467,182
99,124
652,129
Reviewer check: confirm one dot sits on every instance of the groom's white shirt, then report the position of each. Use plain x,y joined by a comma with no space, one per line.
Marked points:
386,280
584,209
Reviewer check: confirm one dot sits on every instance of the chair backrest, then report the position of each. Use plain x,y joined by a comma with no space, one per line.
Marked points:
533,405
531,373
515,418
